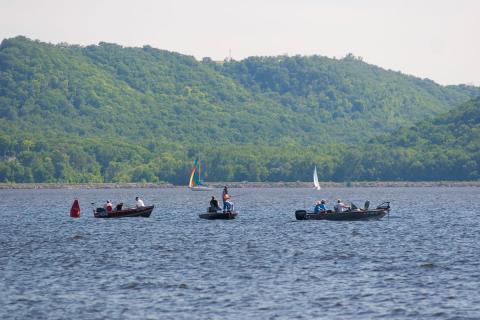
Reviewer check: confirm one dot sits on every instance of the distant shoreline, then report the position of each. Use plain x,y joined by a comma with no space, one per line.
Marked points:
298,184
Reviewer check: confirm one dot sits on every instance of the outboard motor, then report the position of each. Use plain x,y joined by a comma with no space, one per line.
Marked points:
300,214
100,212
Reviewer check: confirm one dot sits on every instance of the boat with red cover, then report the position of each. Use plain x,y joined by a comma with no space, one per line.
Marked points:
124,213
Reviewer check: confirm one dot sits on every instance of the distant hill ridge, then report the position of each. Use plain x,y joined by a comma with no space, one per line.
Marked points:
109,113
444,148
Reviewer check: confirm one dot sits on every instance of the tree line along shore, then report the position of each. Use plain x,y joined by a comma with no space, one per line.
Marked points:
298,184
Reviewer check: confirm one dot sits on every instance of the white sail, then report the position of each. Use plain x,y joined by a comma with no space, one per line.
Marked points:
315,179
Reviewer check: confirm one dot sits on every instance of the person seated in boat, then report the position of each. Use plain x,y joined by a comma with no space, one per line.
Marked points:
316,209
214,205
340,206
119,206
323,206
139,203
225,197
108,206
320,207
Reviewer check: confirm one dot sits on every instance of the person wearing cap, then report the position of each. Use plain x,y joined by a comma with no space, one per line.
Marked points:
320,206
340,206
323,206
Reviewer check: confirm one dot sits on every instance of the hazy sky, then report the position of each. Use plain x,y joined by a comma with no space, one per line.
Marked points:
432,39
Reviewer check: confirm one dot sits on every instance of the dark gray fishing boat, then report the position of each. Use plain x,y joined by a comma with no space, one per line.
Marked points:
218,214
348,215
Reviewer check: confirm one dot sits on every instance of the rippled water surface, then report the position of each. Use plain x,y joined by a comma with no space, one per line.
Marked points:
422,261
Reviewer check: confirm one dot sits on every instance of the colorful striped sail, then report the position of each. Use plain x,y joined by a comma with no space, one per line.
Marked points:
195,176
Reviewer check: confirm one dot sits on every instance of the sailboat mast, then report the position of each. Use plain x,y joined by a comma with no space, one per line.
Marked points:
199,179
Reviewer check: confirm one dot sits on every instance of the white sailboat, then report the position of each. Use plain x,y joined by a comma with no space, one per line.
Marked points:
315,179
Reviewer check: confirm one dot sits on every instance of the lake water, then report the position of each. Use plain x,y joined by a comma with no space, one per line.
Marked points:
421,262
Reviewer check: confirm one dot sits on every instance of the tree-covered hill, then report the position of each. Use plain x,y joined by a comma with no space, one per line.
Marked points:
445,148
351,97
108,113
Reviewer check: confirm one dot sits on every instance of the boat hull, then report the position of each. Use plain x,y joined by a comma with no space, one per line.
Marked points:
144,212
373,214
219,215
200,188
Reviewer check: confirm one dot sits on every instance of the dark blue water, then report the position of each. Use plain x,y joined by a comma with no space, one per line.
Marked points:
422,262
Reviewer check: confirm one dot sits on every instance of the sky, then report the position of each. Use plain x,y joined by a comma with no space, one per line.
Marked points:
439,40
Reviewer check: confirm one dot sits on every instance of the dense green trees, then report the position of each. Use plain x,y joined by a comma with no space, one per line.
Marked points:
114,114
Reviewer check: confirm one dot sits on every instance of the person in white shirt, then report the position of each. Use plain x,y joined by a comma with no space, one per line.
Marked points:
139,203
339,206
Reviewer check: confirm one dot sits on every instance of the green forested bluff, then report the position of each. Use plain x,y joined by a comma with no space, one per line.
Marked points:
107,113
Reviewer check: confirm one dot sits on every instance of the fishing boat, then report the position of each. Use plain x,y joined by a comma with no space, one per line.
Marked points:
348,215
316,184
123,213
195,183
218,214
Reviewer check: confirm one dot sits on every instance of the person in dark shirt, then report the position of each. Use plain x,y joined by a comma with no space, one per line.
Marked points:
214,204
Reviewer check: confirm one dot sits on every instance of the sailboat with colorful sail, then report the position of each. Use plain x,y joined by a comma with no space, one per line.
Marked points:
316,184
195,183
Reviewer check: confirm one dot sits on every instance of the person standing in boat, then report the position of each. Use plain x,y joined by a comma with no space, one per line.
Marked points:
225,197
340,206
228,205
139,203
